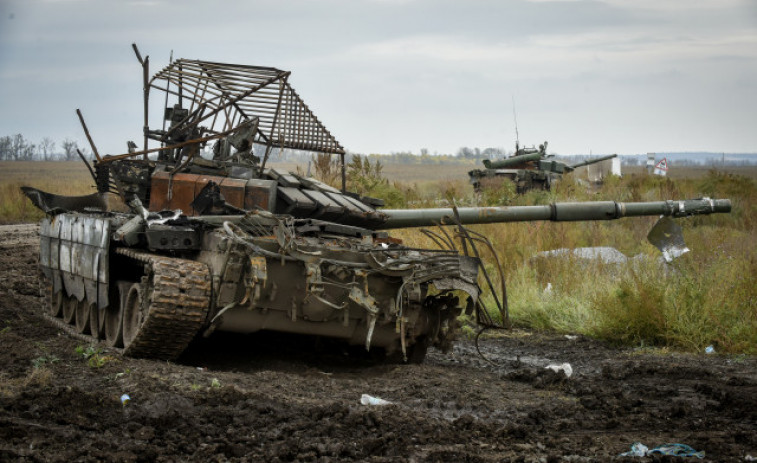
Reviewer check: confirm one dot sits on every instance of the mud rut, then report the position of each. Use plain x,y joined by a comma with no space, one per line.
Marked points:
263,398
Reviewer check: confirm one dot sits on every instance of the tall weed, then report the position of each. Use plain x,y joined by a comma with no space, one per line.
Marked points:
706,297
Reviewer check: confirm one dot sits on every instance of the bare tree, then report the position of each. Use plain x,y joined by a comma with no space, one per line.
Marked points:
27,154
46,148
18,145
5,147
69,149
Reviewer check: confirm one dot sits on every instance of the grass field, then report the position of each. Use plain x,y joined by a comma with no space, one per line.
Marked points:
706,297
66,178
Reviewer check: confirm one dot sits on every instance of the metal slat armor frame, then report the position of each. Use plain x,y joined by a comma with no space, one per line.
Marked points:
217,98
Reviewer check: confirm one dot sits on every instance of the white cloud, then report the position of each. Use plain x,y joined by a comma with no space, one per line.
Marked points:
539,55
677,5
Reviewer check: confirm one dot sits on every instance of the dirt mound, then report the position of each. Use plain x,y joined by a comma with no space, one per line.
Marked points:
266,398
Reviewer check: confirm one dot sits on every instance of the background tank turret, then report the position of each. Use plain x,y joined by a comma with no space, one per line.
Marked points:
528,169
524,158
225,244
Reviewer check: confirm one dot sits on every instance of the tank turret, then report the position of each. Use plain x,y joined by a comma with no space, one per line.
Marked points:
222,242
523,158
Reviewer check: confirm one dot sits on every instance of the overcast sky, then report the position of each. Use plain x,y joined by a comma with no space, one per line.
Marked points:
599,76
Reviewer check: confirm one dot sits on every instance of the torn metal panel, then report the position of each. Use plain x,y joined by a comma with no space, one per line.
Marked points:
667,236
55,204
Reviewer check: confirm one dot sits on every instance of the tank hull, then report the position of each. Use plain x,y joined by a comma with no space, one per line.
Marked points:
358,290
524,180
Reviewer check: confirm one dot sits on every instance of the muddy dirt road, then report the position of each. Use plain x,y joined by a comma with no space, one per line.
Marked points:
253,398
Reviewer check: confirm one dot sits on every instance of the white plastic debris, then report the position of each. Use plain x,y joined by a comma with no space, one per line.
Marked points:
564,367
604,254
125,399
571,337
637,450
710,349
674,252
548,289
366,399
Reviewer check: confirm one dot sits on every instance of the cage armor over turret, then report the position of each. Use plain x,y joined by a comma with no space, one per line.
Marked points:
528,169
225,243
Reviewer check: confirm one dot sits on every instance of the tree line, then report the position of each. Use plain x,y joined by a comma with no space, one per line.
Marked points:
18,148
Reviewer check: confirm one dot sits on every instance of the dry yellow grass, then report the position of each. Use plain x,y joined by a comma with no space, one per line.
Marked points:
66,178
708,298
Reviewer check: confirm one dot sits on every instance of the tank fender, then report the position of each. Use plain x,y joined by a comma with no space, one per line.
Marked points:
74,255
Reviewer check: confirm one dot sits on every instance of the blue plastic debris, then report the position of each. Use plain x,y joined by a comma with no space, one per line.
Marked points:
676,450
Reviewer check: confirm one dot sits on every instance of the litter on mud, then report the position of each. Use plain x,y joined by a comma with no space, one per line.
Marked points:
564,367
366,399
677,450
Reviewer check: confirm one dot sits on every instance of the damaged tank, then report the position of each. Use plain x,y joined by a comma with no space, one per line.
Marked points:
528,169
215,240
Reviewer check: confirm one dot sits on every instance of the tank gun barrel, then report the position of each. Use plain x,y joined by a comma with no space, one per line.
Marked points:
592,161
556,212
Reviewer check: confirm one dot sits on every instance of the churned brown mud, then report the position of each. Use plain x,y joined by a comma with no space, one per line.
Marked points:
282,398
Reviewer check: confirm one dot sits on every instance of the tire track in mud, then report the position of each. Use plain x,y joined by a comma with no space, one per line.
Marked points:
276,404
23,234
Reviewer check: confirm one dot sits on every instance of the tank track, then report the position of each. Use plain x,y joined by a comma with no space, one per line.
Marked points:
177,296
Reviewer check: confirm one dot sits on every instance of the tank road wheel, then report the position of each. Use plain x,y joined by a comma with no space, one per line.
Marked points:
82,317
94,321
113,318
102,314
113,326
56,302
69,309
101,322
133,316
